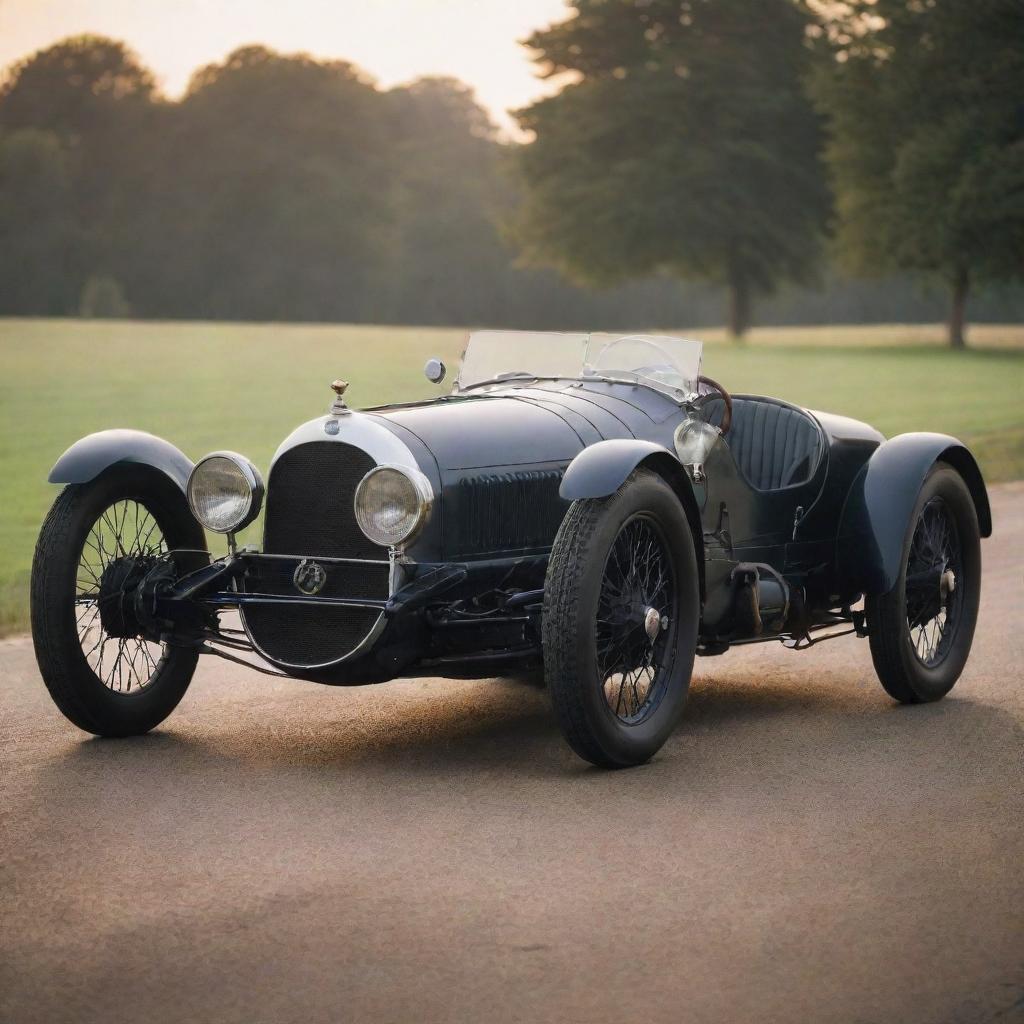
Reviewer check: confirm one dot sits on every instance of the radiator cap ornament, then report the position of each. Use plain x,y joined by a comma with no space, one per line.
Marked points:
338,406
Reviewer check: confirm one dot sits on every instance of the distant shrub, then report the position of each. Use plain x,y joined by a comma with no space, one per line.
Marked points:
103,298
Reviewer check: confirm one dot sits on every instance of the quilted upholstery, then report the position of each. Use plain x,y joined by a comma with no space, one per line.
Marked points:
773,444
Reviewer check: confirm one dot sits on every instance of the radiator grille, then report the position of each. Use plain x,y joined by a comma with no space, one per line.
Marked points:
310,513
309,502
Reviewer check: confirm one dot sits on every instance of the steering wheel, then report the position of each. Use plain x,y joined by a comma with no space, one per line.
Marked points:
717,391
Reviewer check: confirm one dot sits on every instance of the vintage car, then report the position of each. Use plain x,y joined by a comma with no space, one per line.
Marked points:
588,504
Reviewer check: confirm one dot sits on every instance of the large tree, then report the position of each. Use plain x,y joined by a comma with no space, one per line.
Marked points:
683,143
76,87
41,265
274,190
96,104
925,100
449,264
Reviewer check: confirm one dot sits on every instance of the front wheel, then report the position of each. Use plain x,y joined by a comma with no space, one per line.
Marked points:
621,613
921,630
99,539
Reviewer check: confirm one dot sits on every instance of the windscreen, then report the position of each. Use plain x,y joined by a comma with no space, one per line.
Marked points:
492,355
671,364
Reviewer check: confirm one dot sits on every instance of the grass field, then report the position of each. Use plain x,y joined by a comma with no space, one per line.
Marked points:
244,387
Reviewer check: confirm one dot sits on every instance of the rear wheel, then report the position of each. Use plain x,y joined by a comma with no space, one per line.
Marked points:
621,611
921,630
98,541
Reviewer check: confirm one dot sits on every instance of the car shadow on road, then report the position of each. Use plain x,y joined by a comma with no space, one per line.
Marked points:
502,725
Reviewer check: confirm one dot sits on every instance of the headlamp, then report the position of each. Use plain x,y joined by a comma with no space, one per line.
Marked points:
392,503
225,492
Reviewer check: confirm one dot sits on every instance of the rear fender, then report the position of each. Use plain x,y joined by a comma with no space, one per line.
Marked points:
603,468
876,515
90,456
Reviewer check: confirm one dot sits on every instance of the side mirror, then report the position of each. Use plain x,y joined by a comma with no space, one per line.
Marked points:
434,371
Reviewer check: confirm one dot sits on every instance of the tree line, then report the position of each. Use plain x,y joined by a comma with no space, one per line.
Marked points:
704,152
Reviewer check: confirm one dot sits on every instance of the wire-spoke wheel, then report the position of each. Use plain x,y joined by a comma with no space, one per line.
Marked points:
621,609
921,631
634,612
122,544
103,670
934,569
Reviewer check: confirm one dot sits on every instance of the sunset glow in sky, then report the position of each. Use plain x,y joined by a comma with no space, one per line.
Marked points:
393,40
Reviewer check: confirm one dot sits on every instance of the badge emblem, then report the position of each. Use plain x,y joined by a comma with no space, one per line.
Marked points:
309,577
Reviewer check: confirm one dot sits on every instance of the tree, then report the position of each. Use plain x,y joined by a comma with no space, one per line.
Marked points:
96,103
70,87
273,191
449,264
39,243
685,144
926,142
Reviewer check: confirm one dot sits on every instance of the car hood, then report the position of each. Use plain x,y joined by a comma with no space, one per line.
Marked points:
531,424
488,431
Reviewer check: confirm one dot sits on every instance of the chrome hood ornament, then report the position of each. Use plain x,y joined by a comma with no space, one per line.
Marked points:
338,406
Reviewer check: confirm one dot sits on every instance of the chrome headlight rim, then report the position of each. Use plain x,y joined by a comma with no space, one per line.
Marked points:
253,479
423,491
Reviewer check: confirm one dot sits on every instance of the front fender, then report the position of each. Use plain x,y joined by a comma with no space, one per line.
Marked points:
604,467
878,508
90,456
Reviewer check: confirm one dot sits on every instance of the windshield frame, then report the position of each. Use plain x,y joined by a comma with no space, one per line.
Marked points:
592,345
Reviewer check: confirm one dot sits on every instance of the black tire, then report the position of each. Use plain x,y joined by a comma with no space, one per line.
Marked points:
75,687
573,589
909,673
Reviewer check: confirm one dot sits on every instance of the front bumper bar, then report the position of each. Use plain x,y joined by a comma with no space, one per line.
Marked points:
219,585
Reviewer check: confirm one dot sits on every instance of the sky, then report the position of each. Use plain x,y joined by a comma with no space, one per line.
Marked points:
393,40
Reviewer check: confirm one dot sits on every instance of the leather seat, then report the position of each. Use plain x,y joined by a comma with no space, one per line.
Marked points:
774,444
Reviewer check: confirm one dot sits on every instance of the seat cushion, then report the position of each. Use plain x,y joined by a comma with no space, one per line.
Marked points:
774,444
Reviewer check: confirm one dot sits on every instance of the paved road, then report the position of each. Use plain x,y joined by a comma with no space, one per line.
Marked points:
802,850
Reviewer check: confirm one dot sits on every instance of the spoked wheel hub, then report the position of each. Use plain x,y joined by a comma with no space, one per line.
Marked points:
654,623
118,588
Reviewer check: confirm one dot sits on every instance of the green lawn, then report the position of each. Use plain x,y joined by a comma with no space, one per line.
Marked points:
244,387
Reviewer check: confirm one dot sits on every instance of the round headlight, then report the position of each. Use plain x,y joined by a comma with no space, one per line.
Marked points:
391,504
225,492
